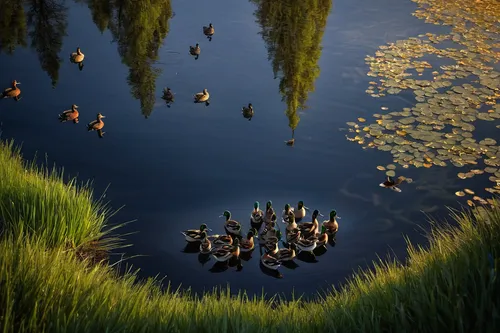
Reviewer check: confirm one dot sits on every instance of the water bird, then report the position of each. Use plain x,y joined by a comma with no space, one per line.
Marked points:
307,245
270,214
286,215
209,31
300,212
270,262
222,240
168,96
232,227
290,142
257,216
205,245
332,225
269,232
293,236
77,57
285,254
310,227
195,235
71,114
195,51
248,244
202,96
393,184
13,91
247,111
96,125
224,254
321,237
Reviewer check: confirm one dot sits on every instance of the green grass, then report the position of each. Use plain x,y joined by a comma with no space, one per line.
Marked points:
44,287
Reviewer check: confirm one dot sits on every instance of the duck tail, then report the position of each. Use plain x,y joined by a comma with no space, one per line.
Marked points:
382,185
396,189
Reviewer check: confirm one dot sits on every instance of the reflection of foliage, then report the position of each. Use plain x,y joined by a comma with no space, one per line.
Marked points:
139,27
12,25
47,20
292,31
438,130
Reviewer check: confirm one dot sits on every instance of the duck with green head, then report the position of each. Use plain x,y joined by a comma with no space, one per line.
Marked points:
308,228
195,235
226,253
269,212
232,227
332,226
300,212
205,245
257,216
248,244
320,237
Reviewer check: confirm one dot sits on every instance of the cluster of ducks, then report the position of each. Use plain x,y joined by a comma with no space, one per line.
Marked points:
299,236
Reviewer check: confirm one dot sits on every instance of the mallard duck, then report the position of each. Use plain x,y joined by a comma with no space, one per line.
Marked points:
292,236
393,184
205,245
331,225
13,91
306,245
247,111
289,219
248,244
310,227
232,227
195,235
288,253
224,254
168,96
269,212
97,124
321,238
221,240
195,50
268,232
285,214
77,58
202,96
270,262
72,114
209,31
300,212
257,216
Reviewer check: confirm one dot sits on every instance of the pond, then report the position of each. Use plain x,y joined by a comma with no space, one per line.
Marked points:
300,64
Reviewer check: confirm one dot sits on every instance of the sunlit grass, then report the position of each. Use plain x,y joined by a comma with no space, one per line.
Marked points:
450,287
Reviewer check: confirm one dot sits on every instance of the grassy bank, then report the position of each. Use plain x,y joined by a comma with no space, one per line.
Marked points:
452,287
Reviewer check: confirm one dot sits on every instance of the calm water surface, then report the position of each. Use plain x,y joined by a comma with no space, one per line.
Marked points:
174,168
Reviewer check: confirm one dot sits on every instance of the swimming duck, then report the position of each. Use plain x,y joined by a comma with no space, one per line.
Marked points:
224,254
72,114
257,216
201,96
232,227
77,57
268,232
321,238
195,50
13,91
310,227
195,235
286,254
393,184
269,212
300,212
168,96
247,111
307,245
285,214
221,240
248,244
293,236
209,31
97,124
290,142
205,245
270,262
331,225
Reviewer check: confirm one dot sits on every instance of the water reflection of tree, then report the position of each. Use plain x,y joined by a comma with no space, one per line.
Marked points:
292,31
12,26
139,28
47,22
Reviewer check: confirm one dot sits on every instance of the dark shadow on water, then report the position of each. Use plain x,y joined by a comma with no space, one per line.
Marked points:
308,257
319,251
246,256
332,241
270,272
192,248
203,258
290,264
219,267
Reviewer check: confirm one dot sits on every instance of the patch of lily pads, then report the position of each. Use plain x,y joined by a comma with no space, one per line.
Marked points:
439,129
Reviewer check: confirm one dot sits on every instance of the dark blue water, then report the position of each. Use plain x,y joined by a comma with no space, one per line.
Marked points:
174,168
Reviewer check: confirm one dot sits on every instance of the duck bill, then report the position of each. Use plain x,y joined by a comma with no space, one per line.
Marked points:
221,215
321,215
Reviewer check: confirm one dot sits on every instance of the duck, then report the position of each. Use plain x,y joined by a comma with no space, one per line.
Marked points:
248,244
300,212
286,254
285,214
269,212
221,240
290,142
321,237
270,262
257,216
226,253
310,227
195,235
71,114
97,124
168,96
293,236
209,31
232,227
393,184
268,232
77,57
247,111
205,245
195,50
13,91
306,245
331,225
201,96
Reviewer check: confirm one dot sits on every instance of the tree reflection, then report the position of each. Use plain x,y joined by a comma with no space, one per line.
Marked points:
292,31
12,26
47,22
139,28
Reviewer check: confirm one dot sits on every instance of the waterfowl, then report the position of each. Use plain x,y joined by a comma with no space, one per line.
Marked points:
321,238
248,244
247,111
224,254
286,254
270,262
206,245
269,212
392,184
97,124
72,114
209,31
168,96
77,58
221,240
310,227
257,216
331,225
285,214
195,50
202,96
293,236
195,235
232,227
307,245
300,212
13,91
290,142
269,232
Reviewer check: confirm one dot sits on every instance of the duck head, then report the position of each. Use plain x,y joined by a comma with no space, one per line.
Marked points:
256,205
226,214
300,205
269,204
333,214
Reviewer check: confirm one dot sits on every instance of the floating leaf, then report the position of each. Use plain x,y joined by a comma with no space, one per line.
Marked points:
390,173
361,120
468,191
470,203
459,193
462,175
381,168
391,167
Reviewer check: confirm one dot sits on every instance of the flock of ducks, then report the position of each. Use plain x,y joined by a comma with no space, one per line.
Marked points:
299,236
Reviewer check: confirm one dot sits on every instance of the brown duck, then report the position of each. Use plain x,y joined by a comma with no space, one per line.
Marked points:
70,115
97,124
13,91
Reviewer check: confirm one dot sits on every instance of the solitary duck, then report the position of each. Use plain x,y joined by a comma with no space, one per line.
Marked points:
195,51
393,184
97,124
257,216
13,91
310,227
331,225
168,96
209,31
72,114
202,96
77,57
232,227
247,111
300,212
195,235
